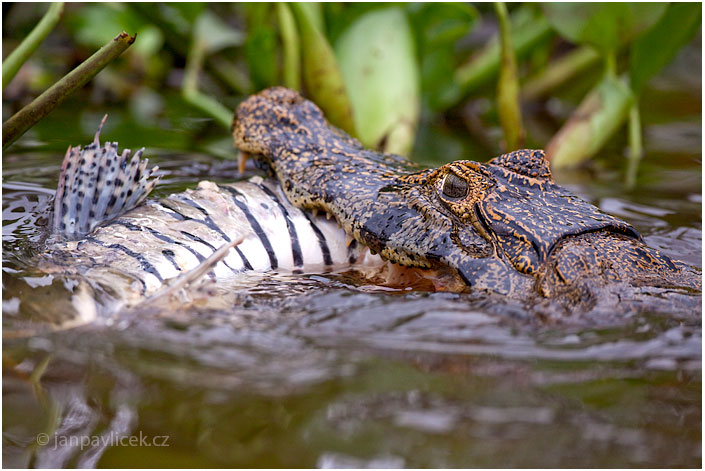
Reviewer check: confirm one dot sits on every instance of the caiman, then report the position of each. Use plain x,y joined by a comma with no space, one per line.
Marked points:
502,227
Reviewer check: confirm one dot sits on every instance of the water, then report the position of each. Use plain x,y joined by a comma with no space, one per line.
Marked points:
323,372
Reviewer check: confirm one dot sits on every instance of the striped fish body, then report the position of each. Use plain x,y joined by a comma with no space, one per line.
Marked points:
142,250
115,249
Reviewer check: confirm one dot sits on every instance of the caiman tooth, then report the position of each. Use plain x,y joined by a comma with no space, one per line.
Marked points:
348,240
314,212
242,157
328,215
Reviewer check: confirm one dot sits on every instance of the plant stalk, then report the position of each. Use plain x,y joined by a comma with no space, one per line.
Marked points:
31,114
19,56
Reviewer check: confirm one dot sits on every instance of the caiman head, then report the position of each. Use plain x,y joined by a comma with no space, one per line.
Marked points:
495,223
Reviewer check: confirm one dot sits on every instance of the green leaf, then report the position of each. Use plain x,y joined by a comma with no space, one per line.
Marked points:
339,16
559,72
441,24
437,27
214,34
378,61
655,49
181,14
605,26
261,55
95,24
322,75
597,118
261,46
439,88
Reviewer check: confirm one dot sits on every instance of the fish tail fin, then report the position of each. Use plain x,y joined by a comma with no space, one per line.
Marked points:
97,185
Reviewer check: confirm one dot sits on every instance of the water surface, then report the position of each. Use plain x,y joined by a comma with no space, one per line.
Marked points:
321,371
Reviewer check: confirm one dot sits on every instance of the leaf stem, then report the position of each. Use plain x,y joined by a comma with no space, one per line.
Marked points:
19,56
31,114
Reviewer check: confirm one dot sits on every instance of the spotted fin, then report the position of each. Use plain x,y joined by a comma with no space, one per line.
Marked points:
97,185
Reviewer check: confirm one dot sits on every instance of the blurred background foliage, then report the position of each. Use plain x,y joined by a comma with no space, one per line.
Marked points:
434,81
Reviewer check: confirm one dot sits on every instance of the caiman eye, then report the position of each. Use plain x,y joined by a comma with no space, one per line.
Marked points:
455,187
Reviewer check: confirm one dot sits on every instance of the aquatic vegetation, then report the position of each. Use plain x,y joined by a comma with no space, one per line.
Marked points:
382,73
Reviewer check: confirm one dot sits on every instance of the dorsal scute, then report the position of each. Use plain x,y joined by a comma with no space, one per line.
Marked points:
527,162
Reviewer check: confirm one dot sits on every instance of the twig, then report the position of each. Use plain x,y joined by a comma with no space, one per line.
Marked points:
19,56
31,114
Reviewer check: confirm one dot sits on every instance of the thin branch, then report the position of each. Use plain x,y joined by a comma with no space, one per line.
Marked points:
31,114
19,56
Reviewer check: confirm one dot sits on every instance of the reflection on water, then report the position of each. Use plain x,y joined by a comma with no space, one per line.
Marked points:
318,371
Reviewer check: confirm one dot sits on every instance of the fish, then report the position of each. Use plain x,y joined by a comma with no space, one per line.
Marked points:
129,249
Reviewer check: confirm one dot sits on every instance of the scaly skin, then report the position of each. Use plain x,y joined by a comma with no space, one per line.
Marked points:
504,226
